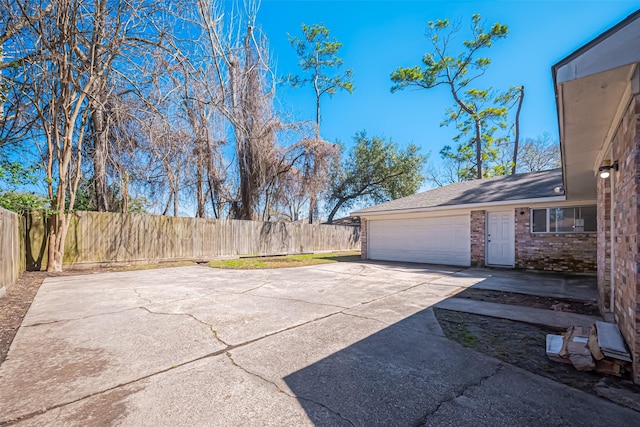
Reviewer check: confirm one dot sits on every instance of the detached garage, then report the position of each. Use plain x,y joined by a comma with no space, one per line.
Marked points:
487,222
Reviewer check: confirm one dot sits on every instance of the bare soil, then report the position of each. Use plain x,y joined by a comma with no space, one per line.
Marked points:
14,305
512,298
523,344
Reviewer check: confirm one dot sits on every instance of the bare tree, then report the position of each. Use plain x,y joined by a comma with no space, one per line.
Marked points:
516,140
246,90
70,52
538,154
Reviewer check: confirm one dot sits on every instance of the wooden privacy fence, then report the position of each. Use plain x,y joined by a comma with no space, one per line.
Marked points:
12,253
110,238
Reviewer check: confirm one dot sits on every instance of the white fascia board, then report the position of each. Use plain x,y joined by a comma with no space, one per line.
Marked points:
470,206
612,50
630,91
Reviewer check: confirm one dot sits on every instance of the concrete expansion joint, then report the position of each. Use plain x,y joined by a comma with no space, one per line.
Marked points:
189,298
53,322
393,293
333,411
242,368
302,301
217,337
344,273
33,414
225,350
202,322
162,313
280,390
141,297
423,421
266,282
364,317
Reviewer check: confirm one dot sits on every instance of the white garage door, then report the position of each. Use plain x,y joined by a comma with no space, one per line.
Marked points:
443,240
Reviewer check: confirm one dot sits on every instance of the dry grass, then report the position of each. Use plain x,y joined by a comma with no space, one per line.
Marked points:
286,261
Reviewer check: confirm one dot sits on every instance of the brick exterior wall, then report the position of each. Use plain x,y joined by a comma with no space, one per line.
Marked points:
478,227
626,194
604,245
364,230
574,252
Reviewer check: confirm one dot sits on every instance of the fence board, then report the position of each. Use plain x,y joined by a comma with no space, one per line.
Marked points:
111,238
12,253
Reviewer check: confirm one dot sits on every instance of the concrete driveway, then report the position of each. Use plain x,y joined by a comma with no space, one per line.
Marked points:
337,344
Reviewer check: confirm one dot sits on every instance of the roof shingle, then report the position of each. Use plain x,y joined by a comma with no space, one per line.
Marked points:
521,186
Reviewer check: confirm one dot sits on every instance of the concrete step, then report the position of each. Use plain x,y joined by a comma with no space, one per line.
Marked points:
537,316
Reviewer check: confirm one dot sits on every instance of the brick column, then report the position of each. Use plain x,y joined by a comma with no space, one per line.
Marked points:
363,238
604,245
626,235
478,233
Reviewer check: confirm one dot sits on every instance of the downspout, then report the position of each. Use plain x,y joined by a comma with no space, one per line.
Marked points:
612,239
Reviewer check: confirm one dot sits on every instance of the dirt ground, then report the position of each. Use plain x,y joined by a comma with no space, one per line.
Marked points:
15,304
523,344
511,298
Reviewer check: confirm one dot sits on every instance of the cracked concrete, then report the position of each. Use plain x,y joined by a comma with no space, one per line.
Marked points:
352,344
425,419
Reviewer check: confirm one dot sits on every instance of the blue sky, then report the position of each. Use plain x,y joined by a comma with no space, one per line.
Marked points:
379,36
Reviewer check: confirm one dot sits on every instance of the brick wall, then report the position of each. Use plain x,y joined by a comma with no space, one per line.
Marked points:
604,245
478,233
626,256
575,252
364,228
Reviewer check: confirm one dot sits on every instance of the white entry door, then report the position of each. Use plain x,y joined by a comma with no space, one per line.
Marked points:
501,238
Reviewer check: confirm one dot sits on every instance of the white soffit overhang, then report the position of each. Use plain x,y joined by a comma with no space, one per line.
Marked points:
591,85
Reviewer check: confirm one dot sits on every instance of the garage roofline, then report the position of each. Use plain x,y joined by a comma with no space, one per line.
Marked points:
465,206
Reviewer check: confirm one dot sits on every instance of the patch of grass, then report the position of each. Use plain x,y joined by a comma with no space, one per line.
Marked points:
286,261
126,267
466,337
170,264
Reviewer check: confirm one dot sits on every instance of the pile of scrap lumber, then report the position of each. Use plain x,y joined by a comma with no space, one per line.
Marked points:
599,347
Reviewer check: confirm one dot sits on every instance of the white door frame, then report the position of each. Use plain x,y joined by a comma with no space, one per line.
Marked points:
512,239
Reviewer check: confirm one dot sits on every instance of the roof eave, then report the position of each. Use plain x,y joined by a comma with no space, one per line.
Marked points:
365,213
590,72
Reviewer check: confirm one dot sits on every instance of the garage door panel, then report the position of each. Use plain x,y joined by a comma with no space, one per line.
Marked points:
443,240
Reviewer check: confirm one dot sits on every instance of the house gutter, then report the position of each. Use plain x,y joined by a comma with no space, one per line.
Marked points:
561,73
612,257
465,206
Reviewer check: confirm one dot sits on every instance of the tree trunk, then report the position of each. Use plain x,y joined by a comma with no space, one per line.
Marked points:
516,141
98,110
200,179
312,207
125,194
478,148
317,115
318,94
100,155
175,201
166,207
52,255
335,210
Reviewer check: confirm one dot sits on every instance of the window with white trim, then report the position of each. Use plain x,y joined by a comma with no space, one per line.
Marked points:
580,219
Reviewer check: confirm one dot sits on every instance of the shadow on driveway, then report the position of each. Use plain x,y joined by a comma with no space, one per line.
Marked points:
407,375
